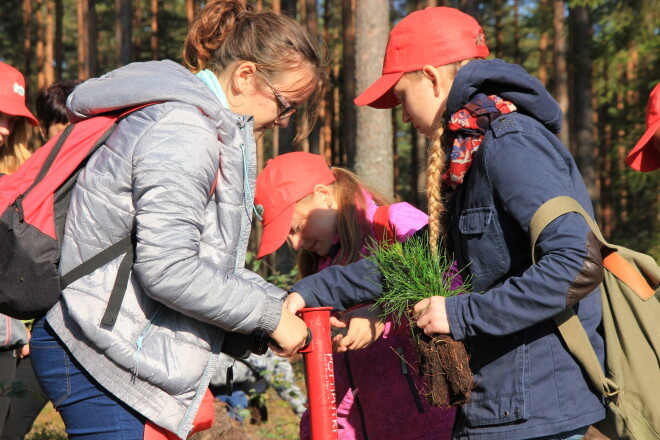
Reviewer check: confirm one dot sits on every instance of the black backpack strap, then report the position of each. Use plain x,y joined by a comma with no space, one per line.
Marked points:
119,289
124,245
98,260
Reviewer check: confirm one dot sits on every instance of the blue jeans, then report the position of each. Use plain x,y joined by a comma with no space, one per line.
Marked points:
88,410
576,434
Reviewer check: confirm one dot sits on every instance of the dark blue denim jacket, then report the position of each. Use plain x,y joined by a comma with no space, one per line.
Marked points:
528,385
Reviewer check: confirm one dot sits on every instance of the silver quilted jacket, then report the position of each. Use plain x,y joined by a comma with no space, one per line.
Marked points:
188,284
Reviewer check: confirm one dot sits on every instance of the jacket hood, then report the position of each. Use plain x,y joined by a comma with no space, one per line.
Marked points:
509,81
142,83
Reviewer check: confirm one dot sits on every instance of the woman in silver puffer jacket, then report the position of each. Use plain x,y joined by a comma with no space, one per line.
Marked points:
180,175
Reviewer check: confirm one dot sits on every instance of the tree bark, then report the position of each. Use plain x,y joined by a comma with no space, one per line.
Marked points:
348,110
310,17
543,43
137,35
124,32
374,128
154,30
49,72
191,10
27,39
40,53
83,39
582,111
470,7
59,44
499,28
560,69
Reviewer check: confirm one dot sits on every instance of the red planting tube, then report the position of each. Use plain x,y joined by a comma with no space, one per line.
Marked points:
319,371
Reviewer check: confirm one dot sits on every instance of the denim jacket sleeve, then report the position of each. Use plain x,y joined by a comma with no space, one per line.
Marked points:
340,286
524,166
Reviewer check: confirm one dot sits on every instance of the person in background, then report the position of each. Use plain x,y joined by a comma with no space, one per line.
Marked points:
16,413
494,159
329,217
251,378
51,107
15,120
178,177
645,156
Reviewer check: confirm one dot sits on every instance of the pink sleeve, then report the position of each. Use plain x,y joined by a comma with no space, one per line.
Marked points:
406,220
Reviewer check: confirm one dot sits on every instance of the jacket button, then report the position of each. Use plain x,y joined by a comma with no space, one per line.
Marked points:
505,413
516,411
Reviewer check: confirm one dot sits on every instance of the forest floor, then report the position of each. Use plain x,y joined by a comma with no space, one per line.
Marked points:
281,422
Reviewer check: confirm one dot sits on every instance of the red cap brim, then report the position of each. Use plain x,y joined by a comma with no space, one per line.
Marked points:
19,109
379,94
645,157
276,232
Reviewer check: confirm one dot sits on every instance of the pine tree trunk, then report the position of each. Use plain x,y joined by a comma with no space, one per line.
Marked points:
374,129
470,7
137,25
40,53
190,11
543,43
349,116
154,30
560,69
49,73
499,28
124,31
582,111
59,45
27,39
83,39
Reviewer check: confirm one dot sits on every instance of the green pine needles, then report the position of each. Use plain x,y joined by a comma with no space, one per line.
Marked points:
410,273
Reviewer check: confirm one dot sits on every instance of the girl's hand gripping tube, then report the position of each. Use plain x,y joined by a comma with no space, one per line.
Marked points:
319,372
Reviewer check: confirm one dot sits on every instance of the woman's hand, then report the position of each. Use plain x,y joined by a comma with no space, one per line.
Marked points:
289,336
364,327
294,302
431,314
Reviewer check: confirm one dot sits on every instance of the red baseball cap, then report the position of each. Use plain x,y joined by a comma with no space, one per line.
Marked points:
12,93
646,156
433,36
285,180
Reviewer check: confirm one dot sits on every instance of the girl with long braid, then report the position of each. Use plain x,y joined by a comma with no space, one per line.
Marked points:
494,159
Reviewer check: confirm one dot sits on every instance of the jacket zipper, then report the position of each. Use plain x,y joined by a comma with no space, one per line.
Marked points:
140,341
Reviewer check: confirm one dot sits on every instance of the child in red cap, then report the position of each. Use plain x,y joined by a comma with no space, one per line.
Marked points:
15,120
646,154
494,160
16,414
328,216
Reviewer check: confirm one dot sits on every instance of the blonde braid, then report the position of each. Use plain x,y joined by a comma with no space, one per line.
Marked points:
436,207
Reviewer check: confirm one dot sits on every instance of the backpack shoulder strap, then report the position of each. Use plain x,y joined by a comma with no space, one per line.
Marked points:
568,324
555,208
612,259
382,226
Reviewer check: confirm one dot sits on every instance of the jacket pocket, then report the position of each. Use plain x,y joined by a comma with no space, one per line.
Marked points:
502,394
482,240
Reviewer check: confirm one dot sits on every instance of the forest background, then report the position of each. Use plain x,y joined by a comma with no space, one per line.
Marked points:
598,58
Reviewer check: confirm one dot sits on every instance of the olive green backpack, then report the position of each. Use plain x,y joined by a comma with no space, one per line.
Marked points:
631,325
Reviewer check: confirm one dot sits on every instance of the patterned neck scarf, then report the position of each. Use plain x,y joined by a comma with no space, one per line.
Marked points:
469,125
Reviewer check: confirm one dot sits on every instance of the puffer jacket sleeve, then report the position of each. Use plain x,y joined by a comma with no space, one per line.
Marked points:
13,332
525,171
174,167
